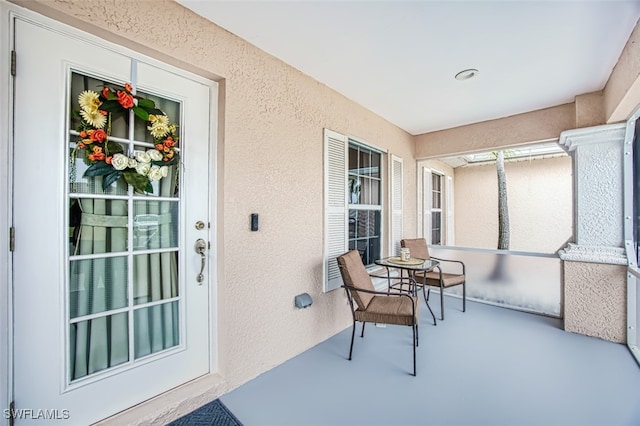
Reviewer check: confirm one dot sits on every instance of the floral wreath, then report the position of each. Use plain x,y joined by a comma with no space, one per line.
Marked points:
107,158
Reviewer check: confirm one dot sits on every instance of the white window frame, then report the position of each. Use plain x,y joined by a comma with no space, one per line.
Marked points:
336,205
439,210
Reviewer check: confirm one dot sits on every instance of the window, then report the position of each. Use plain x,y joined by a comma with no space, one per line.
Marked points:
436,208
353,200
365,206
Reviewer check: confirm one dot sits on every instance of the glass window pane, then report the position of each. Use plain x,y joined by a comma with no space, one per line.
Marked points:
435,200
355,189
365,163
353,160
155,277
110,332
97,226
366,191
155,224
375,192
170,108
156,328
80,83
97,285
353,220
375,164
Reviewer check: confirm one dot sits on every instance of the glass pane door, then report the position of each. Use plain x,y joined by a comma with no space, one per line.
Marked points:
123,298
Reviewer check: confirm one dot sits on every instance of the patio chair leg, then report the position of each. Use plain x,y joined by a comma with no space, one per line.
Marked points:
464,297
441,303
415,331
426,300
362,334
353,333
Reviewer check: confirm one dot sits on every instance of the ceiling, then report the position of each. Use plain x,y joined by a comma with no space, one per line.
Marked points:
399,58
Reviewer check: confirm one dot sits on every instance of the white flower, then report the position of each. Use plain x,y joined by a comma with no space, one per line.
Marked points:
155,155
120,161
165,171
143,168
143,157
155,173
132,163
94,118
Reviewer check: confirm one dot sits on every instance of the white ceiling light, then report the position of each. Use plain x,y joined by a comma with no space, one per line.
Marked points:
467,74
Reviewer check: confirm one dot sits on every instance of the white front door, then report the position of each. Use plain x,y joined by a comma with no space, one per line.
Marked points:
109,305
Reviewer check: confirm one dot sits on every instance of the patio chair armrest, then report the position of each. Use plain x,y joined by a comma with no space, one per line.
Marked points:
451,261
380,293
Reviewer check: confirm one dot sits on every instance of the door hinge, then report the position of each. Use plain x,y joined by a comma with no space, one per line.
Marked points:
13,63
12,412
12,239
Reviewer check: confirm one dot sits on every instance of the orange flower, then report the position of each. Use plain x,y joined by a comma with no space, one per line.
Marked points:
83,134
159,147
108,159
97,150
168,142
105,92
97,156
125,99
99,135
81,145
128,87
103,112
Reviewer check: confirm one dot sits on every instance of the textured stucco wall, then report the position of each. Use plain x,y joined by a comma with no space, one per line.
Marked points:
518,129
589,110
270,162
540,197
595,300
622,91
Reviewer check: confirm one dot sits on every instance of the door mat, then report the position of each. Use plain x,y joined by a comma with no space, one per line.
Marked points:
214,413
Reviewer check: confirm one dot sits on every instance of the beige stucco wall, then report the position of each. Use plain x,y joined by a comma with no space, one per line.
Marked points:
595,300
622,91
518,129
540,198
270,162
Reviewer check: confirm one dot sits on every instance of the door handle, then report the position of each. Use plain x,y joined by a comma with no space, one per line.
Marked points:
201,248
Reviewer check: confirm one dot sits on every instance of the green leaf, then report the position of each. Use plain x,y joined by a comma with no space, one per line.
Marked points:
154,111
111,106
140,183
141,113
98,169
111,148
110,178
146,103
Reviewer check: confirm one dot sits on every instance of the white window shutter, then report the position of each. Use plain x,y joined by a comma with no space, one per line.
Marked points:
336,208
396,205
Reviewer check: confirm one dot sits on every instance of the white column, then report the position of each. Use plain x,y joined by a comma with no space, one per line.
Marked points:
598,194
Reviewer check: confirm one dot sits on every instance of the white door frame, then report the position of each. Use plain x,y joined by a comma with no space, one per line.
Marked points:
6,172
